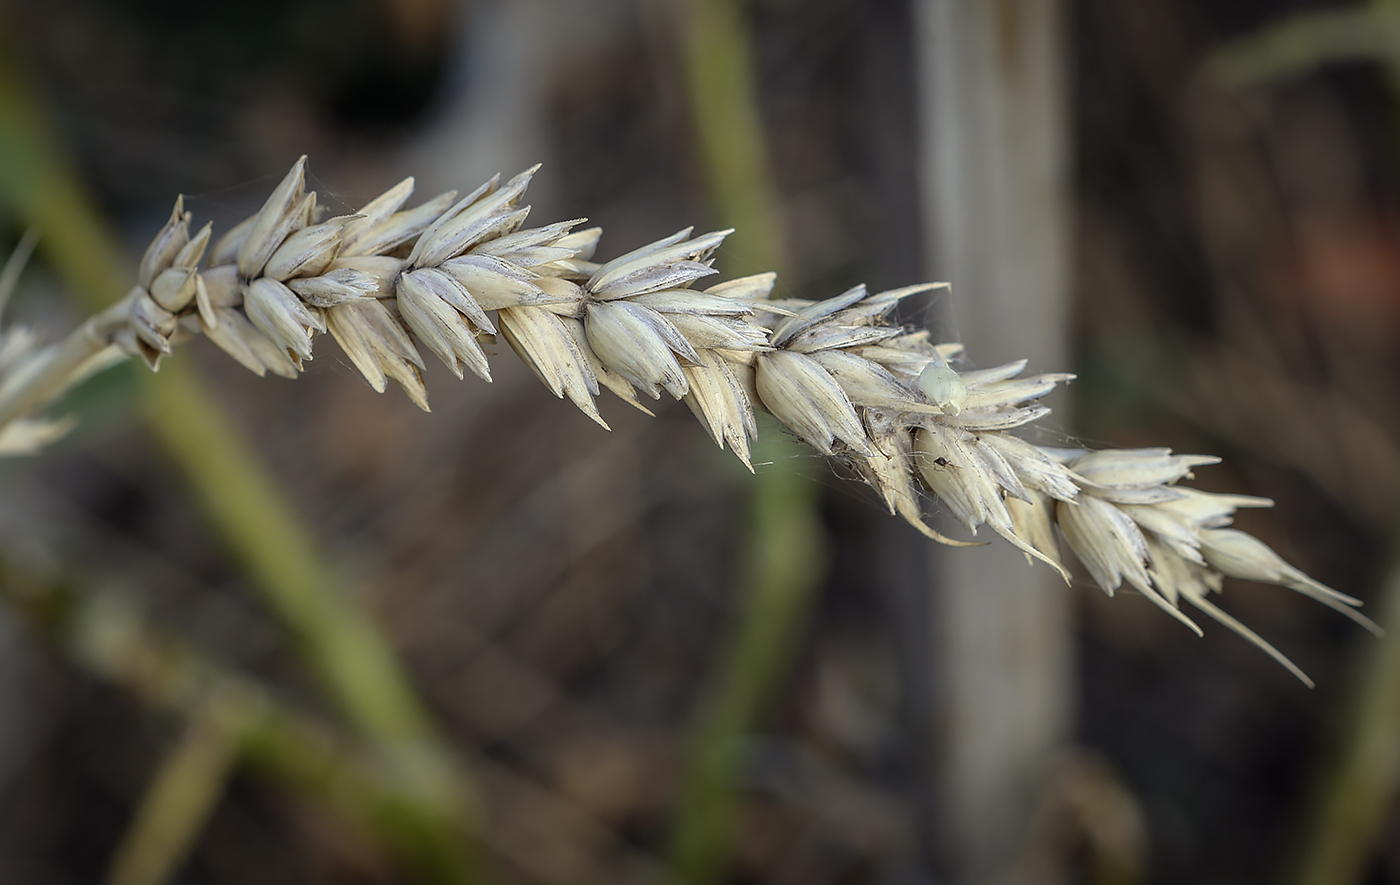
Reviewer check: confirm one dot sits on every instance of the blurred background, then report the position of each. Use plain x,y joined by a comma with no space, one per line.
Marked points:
1195,206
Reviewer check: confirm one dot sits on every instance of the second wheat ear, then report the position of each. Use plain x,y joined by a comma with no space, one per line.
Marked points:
886,400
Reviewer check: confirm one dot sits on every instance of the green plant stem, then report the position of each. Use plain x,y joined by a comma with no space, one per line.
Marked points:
36,181
340,642
1305,41
783,565
722,90
349,655
1360,786
181,797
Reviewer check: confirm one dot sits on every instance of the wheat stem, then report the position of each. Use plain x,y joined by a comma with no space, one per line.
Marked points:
58,369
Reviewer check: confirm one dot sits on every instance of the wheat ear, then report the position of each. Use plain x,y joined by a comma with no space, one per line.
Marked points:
881,398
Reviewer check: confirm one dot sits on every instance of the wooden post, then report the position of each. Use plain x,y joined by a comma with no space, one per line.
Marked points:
995,183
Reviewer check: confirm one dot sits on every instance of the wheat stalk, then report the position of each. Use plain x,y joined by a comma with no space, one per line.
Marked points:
881,398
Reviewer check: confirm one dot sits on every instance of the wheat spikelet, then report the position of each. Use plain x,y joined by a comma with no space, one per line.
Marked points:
879,397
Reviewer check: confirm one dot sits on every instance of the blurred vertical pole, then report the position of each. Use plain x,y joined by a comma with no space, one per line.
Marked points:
995,180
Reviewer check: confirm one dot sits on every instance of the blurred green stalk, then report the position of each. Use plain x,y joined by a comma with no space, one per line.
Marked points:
336,637
1360,785
783,563
182,795
723,91
1303,42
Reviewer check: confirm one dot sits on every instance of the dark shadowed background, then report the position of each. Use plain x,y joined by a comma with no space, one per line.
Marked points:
559,593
